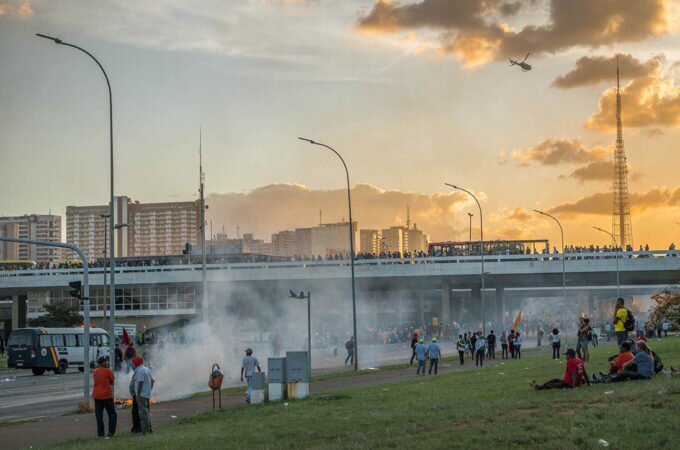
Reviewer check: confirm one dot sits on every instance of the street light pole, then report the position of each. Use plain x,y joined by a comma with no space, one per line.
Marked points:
470,239
564,273
481,247
112,218
302,295
618,287
351,251
86,304
106,224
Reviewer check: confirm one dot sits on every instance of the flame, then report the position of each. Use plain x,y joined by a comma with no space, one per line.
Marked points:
127,402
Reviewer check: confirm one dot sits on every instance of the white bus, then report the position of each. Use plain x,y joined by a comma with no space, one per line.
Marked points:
56,349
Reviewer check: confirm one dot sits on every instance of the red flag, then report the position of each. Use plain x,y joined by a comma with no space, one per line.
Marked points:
518,319
126,339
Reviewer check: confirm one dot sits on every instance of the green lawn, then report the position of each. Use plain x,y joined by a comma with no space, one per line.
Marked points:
489,408
3,362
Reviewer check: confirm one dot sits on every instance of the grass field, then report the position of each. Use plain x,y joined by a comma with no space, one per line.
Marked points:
3,362
489,408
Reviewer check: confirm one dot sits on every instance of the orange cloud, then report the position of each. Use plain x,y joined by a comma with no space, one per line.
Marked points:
554,151
473,31
519,214
651,100
13,9
276,207
601,203
593,70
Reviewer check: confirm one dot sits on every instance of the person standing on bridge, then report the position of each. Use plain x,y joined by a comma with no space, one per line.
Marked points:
620,318
102,393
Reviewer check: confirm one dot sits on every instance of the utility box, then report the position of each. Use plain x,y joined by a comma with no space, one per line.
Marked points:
257,391
276,368
297,367
297,374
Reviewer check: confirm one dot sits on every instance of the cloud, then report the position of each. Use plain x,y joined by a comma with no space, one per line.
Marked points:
651,133
651,100
597,69
13,9
276,207
554,151
601,203
600,171
475,30
519,214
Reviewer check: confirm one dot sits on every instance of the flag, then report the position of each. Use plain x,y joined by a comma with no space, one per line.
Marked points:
518,319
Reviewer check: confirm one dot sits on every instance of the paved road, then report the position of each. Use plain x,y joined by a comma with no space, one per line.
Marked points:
25,396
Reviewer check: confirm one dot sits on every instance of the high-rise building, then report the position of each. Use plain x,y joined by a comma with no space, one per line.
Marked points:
31,226
622,228
148,229
256,246
284,244
369,241
303,241
333,238
394,239
417,240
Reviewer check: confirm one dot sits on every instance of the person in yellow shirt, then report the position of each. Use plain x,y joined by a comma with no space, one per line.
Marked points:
620,317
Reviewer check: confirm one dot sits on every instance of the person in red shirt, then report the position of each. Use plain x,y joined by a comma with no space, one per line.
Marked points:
574,375
103,396
617,363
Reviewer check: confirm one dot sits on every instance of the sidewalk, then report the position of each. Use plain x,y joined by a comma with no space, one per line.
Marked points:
54,430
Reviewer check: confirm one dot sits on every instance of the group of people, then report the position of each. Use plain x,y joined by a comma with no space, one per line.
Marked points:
423,352
635,360
141,385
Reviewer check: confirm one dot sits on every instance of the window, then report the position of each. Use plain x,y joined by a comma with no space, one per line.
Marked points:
45,340
58,340
70,340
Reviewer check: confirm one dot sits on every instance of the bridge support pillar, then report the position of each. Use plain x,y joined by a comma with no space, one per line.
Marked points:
500,307
475,308
456,308
19,309
421,308
446,303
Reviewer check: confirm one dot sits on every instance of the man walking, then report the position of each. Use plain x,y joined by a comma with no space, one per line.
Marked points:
620,318
103,397
349,346
248,366
421,354
479,350
491,345
414,342
144,383
460,346
434,352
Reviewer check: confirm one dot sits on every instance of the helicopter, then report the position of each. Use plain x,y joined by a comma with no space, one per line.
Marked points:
525,67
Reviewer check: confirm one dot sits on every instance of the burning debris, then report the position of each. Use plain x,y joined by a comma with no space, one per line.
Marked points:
124,403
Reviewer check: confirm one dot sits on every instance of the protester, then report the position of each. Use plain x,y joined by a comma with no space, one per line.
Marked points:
144,383
555,341
517,342
414,342
460,346
584,330
136,419
574,375
617,362
349,346
130,352
643,362
511,343
434,352
504,346
103,397
620,318
421,354
248,366
480,350
491,345
473,342
539,336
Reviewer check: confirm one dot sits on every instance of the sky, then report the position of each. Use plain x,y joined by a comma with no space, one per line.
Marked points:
413,94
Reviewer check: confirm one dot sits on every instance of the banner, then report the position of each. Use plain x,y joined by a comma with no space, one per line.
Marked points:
518,319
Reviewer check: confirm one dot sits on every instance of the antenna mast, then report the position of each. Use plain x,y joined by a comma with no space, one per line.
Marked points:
621,224
204,279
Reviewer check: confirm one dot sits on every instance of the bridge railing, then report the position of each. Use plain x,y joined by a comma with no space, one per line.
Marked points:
535,258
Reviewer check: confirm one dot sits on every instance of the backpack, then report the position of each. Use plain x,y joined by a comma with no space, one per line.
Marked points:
658,365
629,324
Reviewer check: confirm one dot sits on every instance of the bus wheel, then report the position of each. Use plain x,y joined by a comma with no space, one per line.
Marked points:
37,371
61,369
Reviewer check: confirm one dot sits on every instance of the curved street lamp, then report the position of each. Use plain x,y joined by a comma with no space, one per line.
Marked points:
351,250
481,246
112,270
617,259
564,273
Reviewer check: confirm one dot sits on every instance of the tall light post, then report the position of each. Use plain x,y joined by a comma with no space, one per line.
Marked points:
351,250
618,288
470,239
307,297
481,247
112,292
106,224
564,273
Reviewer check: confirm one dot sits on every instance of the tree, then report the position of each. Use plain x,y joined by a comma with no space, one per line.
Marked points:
667,306
58,315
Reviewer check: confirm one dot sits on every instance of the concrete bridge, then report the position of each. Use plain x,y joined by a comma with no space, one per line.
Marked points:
388,289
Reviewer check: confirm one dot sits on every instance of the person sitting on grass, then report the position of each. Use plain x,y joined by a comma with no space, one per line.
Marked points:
617,362
642,360
574,375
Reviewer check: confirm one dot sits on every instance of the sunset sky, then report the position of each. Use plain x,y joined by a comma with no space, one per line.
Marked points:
412,93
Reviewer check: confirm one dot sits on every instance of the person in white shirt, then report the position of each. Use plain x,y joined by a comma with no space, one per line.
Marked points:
480,345
555,341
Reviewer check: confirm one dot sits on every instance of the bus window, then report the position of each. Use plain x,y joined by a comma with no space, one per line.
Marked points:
70,340
94,340
105,340
58,340
20,338
45,340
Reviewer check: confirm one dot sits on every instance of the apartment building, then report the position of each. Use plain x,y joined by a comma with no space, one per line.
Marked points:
31,226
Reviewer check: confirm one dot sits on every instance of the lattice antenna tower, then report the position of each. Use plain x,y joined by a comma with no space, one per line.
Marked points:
621,224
